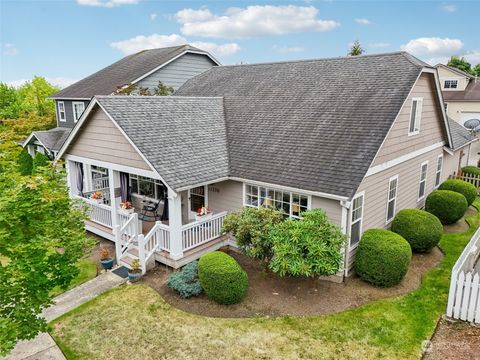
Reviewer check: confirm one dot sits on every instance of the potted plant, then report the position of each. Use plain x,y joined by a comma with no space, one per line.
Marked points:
126,208
135,272
203,213
97,196
105,259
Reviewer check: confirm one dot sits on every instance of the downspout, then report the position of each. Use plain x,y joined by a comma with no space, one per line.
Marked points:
346,214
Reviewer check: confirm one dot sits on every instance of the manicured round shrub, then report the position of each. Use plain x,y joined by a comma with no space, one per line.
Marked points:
25,163
448,206
222,278
465,188
421,229
382,257
473,170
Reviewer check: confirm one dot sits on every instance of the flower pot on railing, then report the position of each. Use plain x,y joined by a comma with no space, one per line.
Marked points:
126,208
97,196
203,213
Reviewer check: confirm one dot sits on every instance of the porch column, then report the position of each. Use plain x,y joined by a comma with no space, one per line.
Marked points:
113,182
175,224
71,177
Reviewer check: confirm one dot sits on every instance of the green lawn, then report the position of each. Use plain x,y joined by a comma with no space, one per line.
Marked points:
88,270
133,322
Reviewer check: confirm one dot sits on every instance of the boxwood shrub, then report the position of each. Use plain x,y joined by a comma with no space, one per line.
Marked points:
474,170
421,229
185,281
449,206
222,278
382,258
465,188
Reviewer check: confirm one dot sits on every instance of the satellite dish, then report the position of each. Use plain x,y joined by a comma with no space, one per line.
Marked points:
472,124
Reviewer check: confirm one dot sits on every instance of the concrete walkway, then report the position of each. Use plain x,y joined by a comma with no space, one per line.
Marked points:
43,347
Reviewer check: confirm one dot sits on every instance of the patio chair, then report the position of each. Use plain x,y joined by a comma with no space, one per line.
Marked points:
152,209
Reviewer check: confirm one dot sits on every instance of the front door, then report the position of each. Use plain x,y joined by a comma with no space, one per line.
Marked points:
197,197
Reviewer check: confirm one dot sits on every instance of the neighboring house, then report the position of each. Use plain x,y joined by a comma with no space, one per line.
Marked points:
461,92
172,66
360,137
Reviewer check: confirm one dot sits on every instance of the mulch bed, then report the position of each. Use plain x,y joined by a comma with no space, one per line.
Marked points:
271,295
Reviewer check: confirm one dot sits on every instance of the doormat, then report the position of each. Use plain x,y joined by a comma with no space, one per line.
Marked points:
122,271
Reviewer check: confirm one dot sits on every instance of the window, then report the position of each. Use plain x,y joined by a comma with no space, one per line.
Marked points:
438,172
423,180
292,204
415,116
357,218
78,108
61,111
392,197
450,84
147,187
197,198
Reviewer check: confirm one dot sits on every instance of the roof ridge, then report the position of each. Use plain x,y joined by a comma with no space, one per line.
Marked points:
155,97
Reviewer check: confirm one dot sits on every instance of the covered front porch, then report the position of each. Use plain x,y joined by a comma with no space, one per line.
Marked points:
161,225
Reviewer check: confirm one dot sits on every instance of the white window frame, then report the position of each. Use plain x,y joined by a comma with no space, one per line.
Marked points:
418,116
424,180
389,200
61,111
135,191
451,81
75,118
438,171
268,188
352,222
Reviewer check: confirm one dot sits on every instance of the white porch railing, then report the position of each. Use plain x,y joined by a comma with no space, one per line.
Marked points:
105,195
464,294
157,239
97,212
200,232
126,236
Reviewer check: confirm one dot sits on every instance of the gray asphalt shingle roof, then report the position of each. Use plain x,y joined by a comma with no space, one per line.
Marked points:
183,138
54,138
122,72
460,135
314,125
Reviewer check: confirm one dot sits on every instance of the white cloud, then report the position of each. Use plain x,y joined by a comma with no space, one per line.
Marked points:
378,45
142,42
257,20
61,82
362,21
10,49
449,8
107,3
286,49
153,17
473,57
433,47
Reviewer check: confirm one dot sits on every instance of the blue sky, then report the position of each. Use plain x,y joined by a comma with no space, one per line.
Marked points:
66,40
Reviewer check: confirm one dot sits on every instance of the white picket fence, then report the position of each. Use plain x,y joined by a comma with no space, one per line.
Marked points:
471,178
464,294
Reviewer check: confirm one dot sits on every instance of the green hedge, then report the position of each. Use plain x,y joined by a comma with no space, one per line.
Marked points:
382,257
222,278
449,206
25,163
474,170
465,188
421,229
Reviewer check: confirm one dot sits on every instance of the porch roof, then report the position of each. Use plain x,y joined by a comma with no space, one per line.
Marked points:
184,139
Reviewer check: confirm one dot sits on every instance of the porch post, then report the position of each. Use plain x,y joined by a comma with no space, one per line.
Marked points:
175,224
71,179
111,186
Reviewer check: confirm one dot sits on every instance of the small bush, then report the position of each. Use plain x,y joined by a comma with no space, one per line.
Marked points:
25,163
465,188
449,206
40,160
421,229
382,257
473,170
222,278
185,281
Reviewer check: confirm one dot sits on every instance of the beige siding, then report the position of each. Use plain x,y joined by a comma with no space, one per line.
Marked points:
100,139
397,142
225,196
457,160
445,74
456,108
331,207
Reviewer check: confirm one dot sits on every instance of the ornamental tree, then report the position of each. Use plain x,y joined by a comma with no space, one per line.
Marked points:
42,237
308,247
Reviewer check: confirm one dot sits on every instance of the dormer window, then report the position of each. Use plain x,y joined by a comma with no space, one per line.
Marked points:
450,84
78,108
415,116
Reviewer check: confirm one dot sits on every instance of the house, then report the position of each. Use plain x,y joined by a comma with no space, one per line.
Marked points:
461,92
143,70
360,137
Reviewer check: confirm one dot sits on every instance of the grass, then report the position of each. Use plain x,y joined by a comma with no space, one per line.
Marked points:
88,270
133,322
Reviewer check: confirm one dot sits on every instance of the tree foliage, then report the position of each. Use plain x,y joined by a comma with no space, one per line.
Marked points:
308,247
9,102
133,89
25,163
39,161
356,49
461,63
476,70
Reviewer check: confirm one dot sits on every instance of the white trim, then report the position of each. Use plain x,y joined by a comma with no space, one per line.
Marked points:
75,119
64,111
173,59
441,104
420,198
350,247
391,163
387,220
435,185
417,121
112,166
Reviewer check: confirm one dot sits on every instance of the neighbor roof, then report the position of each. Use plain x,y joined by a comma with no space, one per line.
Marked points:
315,125
51,139
460,135
182,138
123,72
471,93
